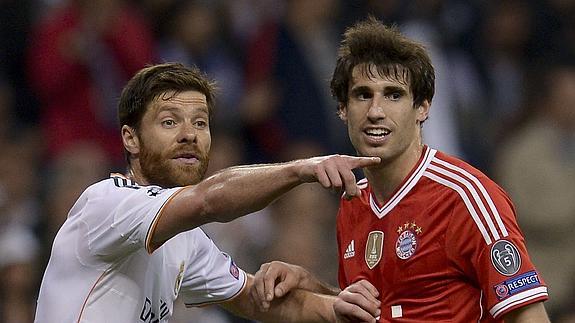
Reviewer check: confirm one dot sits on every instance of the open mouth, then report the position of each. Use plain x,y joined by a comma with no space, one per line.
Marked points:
377,132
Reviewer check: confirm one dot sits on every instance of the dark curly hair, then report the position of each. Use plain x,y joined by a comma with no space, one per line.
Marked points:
395,56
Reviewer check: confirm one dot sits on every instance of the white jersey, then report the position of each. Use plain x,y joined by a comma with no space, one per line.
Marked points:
102,269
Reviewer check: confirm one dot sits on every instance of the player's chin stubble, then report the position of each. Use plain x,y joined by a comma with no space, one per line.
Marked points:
163,171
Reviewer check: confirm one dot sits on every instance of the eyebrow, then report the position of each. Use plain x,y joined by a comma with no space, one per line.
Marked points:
386,89
360,89
174,109
395,88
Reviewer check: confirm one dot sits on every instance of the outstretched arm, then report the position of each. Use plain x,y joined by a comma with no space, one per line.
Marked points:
238,191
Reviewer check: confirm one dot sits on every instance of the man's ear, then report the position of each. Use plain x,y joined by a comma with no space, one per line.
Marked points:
342,112
130,140
423,111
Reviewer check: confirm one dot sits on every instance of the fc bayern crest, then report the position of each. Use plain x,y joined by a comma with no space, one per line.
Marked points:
406,244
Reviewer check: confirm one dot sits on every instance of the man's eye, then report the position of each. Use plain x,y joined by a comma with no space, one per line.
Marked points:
394,96
364,96
201,124
168,123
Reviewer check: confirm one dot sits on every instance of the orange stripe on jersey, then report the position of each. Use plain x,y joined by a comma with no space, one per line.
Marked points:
154,224
90,293
224,299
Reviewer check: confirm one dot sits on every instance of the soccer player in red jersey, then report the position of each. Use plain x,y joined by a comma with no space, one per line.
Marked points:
430,238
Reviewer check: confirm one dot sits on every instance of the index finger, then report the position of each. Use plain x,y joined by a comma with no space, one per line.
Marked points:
359,162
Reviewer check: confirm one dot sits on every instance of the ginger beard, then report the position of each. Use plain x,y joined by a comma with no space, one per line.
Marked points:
159,168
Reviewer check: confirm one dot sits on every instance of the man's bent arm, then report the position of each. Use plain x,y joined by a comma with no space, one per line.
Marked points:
277,278
532,313
298,306
237,191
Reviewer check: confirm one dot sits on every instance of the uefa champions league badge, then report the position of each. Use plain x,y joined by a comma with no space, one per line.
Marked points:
406,244
505,257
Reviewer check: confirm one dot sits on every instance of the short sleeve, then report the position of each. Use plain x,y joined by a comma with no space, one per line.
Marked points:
211,276
486,243
117,218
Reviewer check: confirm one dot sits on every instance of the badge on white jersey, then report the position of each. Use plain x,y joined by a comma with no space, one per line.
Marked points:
373,248
154,191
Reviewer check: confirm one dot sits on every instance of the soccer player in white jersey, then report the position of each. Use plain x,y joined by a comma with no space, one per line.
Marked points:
132,244
429,238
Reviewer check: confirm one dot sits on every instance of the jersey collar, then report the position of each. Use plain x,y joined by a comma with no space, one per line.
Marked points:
407,185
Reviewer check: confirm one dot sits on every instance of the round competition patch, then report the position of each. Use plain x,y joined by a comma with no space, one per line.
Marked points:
501,291
505,258
406,244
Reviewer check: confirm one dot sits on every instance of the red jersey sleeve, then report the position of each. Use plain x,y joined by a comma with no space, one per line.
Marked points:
486,244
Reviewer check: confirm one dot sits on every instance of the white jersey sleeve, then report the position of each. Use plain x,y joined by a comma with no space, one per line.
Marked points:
212,276
117,216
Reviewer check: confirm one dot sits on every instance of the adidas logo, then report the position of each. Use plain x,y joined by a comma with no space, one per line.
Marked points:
350,251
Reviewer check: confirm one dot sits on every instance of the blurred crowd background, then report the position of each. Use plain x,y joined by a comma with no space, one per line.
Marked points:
505,102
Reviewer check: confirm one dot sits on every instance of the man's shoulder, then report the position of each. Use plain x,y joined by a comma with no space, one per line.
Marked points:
112,189
465,180
459,165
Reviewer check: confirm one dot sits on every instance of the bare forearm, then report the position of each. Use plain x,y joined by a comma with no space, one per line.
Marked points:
311,283
300,306
224,196
245,189
237,191
297,306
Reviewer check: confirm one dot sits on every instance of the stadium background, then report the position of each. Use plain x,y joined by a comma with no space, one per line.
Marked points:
505,102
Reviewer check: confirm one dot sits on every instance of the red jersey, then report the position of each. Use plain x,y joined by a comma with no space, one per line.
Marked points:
445,247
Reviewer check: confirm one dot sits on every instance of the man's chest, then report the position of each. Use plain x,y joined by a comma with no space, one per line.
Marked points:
158,278
400,252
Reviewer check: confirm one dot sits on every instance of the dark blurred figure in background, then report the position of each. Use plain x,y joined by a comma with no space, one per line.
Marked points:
194,33
80,54
502,45
536,165
16,19
288,64
19,214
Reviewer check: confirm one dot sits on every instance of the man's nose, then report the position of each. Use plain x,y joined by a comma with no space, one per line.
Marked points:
187,133
376,110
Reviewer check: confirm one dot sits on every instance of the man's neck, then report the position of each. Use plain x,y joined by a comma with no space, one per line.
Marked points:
134,173
386,179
